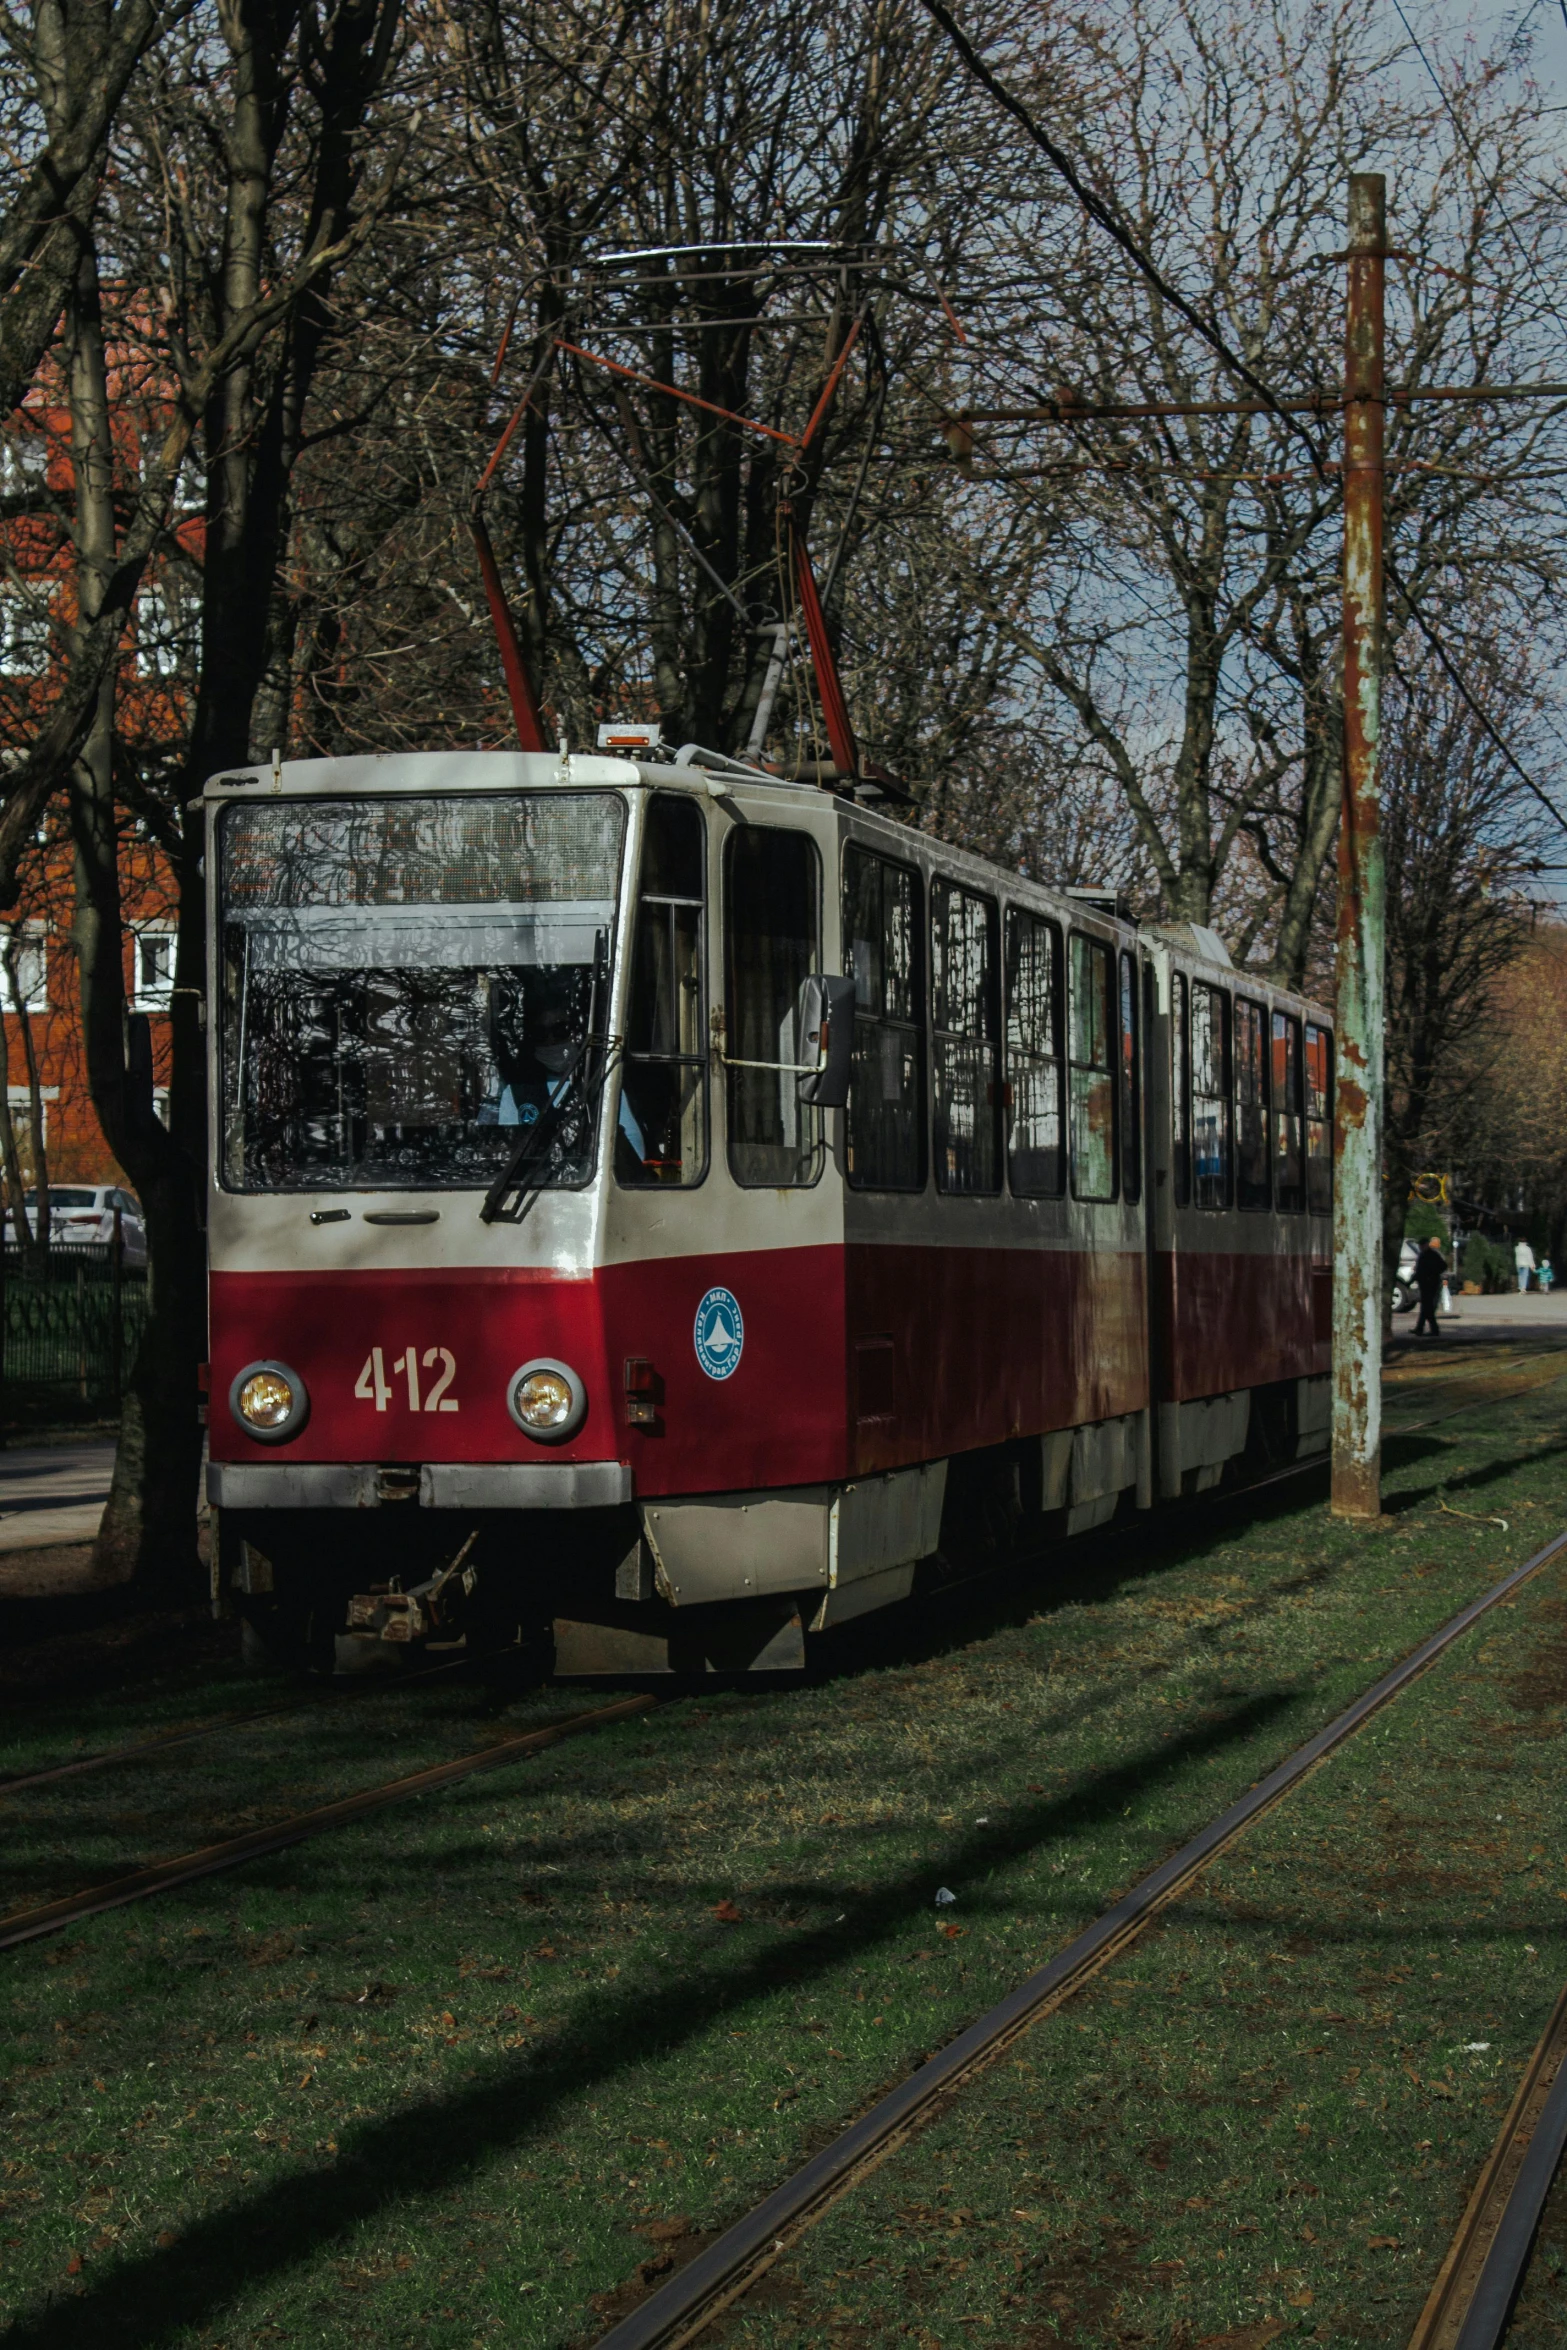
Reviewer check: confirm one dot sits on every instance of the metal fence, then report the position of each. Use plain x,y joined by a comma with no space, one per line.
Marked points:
68,1335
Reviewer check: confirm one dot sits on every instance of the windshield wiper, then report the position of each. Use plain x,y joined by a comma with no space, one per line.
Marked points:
568,1115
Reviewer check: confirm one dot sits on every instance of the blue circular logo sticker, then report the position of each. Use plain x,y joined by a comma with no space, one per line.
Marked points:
719,1335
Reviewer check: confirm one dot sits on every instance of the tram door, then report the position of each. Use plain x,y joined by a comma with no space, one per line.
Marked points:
661,1137
772,943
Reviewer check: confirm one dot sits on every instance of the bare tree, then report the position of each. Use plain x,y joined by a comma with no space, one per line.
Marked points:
1189,619
1461,838
244,276
56,183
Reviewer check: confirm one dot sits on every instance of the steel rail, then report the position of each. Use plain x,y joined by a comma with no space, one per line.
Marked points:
165,1876
1509,2253
27,1925
679,2310
135,1749
162,1739
1469,2303
157,1744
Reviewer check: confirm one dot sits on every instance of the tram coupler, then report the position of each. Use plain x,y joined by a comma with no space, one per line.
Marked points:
426,1612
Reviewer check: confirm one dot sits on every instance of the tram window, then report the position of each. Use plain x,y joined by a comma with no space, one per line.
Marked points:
1180,1090
1210,1096
409,984
1093,1070
1131,1123
964,1021
1036,1160
1319,1120
772,894
1289,1169
661,1136
885,1121
1251,1105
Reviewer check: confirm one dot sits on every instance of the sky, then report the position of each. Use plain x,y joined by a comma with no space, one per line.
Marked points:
1447,26
1545,21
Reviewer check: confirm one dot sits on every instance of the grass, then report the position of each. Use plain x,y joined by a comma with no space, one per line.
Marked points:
460,2074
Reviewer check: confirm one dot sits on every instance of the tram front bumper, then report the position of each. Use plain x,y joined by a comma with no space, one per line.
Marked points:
438,1485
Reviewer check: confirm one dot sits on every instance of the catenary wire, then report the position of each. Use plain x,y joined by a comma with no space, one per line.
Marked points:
1109,219
1491,188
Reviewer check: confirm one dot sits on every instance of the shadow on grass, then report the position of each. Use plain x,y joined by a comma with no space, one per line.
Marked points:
262,2235
1472,1480
1087,1570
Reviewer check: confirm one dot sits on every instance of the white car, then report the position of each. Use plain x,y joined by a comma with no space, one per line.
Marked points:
1404,1290
82,1216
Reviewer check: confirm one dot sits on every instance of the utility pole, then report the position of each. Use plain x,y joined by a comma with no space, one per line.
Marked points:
1357,1127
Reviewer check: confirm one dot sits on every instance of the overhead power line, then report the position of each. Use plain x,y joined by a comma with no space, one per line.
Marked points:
1461,687
1109,219
1491,188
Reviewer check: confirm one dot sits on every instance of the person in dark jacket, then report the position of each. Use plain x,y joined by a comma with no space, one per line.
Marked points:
1430,1270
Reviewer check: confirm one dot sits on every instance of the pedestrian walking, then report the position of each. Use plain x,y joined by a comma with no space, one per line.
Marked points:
1545,1274
1523,1258
1430,1268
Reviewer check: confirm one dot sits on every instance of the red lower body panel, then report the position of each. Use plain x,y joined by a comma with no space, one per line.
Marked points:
953,1348
1230,1321
777,1419
852,1360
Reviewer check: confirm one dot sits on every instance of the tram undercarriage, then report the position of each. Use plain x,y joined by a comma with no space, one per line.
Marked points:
712,1583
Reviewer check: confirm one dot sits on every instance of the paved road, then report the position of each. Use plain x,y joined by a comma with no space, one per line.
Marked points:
52,1493
1483,1321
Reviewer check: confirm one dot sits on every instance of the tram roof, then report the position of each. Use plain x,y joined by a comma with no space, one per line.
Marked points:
493,771
709,773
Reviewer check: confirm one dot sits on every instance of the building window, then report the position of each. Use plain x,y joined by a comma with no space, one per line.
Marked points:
1093,1069
24,460
885,1124
1210,1096
1289,1167
1180,1090
1036,1156
1131,1122
1319,1121
152,987
965,1018
20,1102
24,967
26,638
772,894
662,1133
1251,1105
162,621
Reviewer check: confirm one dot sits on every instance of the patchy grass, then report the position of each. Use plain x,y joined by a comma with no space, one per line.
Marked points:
469,2071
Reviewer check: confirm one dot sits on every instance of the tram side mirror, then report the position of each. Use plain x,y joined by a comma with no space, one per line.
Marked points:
139,1108
826,1032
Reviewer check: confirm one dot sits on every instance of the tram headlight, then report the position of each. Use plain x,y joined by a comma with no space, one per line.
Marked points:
269,1401
547,1400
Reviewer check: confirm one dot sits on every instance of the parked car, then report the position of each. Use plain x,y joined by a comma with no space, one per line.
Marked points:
82,1216
1404,1291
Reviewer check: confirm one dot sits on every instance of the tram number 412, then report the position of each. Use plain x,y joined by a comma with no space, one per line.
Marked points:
372,1385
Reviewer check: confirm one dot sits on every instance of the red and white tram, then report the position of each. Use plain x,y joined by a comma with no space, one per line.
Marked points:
582,1253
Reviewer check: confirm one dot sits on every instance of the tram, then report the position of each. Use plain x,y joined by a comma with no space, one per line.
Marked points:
678,1207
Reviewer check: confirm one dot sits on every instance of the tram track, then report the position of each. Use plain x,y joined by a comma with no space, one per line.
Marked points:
184,1734
161,1742
680,2309
29,1925
225,1853
1471,2300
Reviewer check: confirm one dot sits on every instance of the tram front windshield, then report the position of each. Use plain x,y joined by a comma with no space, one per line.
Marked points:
407,984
